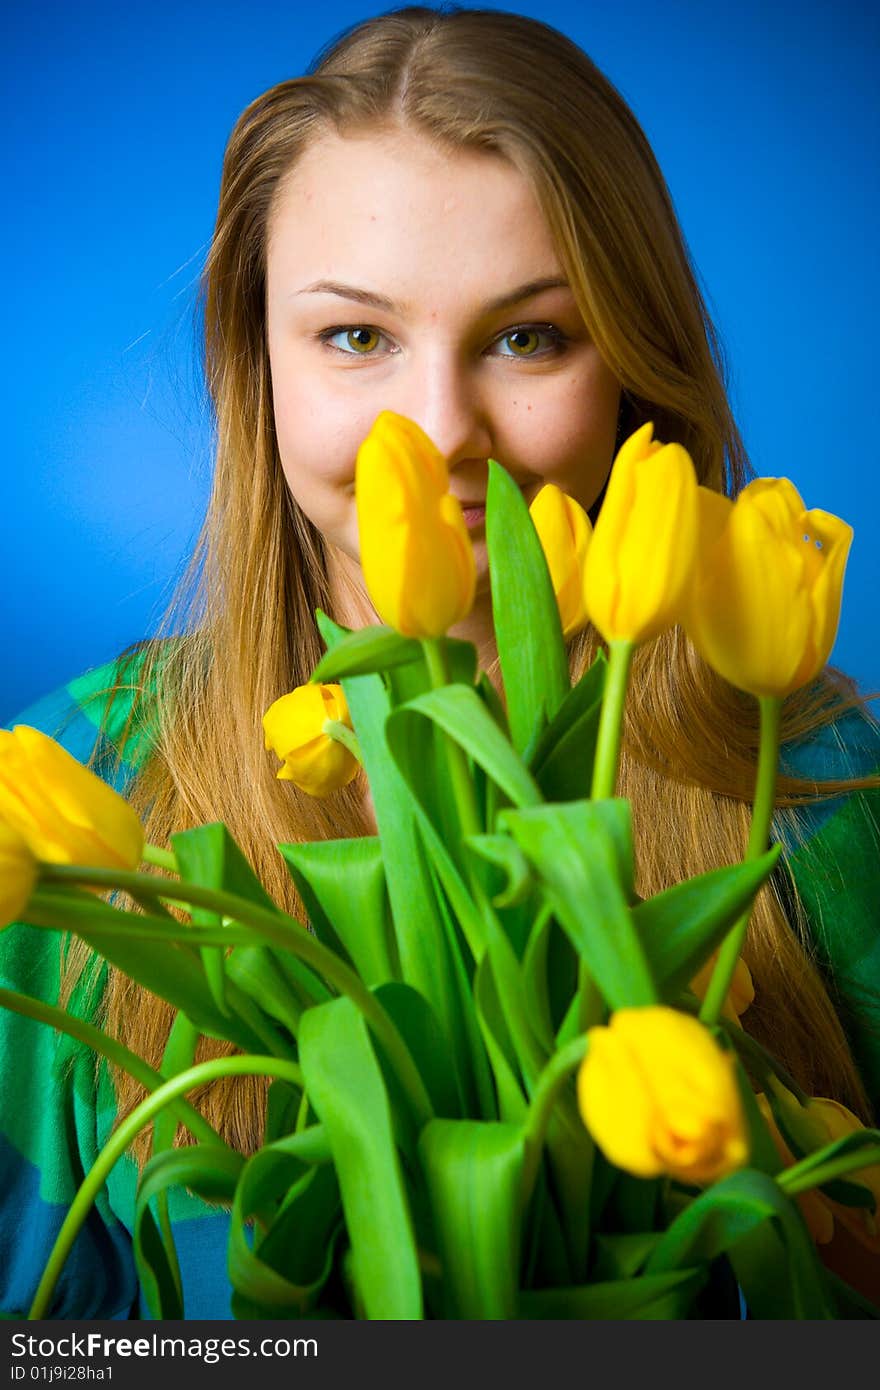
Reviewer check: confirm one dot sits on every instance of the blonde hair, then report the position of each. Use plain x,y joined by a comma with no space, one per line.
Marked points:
514,88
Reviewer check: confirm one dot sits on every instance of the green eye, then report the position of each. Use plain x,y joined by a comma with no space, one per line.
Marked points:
362,340
524,341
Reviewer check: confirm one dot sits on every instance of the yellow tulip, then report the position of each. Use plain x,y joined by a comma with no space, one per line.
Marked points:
18,874
65,814
294,729
659,1097
640,560
818,1123
564,530
415,551
741,993
765,602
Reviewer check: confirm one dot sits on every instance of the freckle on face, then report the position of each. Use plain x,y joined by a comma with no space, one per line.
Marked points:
439,233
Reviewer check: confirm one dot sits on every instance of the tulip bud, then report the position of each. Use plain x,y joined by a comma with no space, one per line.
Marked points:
765,602
814,1207
294,729
564,530
415,551
65,814
18,874
659,1097
639,564
740,994
814,1125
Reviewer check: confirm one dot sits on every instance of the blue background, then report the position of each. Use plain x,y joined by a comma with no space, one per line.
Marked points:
764,119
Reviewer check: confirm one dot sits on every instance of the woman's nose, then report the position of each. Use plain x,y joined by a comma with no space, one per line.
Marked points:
443,397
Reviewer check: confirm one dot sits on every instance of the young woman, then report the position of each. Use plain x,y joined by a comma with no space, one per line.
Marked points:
453,216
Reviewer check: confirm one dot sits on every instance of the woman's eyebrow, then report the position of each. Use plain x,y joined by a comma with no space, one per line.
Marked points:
381,301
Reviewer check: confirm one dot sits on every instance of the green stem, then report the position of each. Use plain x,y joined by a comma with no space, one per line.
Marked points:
278,929
48,909
764,1064
160,858
799,1178
759,840
121,1138
341,733
551,1081
114,1051
462,785
607,757
498,949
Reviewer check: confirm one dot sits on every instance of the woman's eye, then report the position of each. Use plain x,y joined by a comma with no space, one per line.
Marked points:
360,340
530,342
355,342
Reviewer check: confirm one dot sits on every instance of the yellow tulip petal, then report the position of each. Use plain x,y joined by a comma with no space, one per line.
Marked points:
65,812
564,530
294,719
616,1105
748,614
293,726
18,875
415,551
657,548
779,502
659,1095
765,603
320,767
641,556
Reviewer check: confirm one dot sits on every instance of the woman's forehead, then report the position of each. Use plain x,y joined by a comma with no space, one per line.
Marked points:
396,213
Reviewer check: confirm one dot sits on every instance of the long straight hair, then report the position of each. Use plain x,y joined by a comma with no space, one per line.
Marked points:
243,619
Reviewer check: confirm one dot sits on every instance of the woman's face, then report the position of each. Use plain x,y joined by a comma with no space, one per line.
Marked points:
403,278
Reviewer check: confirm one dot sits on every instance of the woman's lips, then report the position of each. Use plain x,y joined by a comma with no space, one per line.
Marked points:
473,516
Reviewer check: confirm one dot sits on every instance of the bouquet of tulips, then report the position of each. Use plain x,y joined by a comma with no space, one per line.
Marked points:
503,1085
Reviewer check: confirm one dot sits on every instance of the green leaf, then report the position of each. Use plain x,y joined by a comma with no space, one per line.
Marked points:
281,985
562,761
418,1026
528,632
503,852
289,1265
282,1107
512,1105
208,1170
581,853
546,1260
472,1063
342,883
763,1153
180,1051
346,1088
473,1171
535,969
368,650
779,1261
681,926
419,933
208,855
622,1256
660,1296
510,992
460,713
850,1193
173,973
